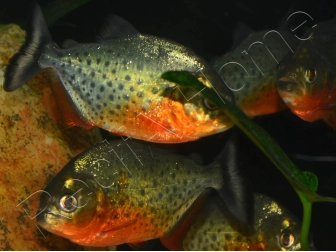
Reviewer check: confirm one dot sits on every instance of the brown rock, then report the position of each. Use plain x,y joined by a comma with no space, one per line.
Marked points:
34,146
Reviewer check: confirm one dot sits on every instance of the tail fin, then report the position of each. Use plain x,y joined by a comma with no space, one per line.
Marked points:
237,191
24,64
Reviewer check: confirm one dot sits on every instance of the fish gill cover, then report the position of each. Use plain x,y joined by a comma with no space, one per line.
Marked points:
208,29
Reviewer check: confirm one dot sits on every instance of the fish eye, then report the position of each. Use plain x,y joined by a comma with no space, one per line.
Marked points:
209,105
68,203
310,75
287,240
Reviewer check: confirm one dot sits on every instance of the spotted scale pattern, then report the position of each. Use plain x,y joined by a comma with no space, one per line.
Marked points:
215,229
117,85
251,71
134,193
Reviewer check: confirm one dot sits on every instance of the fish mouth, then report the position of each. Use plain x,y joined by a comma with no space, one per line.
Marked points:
40,215
287,84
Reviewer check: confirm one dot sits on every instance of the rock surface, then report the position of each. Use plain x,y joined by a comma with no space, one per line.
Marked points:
34,146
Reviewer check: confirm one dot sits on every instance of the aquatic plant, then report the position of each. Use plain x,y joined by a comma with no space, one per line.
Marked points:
304,183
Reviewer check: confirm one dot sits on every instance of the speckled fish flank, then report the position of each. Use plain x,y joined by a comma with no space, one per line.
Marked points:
124,192
116,83
250,70
307,78
274,228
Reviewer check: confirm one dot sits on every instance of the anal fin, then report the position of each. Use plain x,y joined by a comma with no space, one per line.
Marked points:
69,113
174,240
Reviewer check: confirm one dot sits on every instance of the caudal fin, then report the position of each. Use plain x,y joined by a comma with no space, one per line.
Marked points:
24,64
237,191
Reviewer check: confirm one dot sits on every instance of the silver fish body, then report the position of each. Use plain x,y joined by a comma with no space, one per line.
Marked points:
250,70
124,192
116,83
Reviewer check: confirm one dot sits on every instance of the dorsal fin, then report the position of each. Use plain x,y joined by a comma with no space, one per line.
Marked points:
282,25
242,31
116,27
69,43
197,158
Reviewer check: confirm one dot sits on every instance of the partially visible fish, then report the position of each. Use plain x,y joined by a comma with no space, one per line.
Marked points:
274,228
307,79
116,83
250,69
124,192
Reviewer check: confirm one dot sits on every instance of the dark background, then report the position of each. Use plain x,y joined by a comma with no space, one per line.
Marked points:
208,27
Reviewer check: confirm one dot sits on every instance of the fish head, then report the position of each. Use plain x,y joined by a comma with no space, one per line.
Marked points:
88,201
193,115
304,82
277,228
73,206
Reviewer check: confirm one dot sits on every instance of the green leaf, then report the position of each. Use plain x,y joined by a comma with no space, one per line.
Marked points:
305,183
311,179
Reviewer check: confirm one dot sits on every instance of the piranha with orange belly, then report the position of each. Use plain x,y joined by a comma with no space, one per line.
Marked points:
213,228
116,83
307,79
125,192
250,69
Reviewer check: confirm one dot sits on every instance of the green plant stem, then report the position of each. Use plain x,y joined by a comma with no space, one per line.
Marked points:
304,183
307,209
307,205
